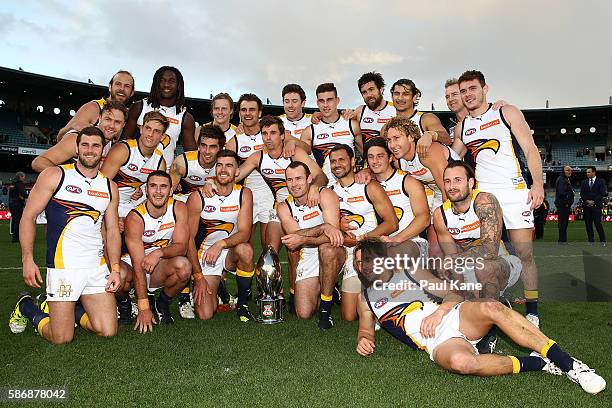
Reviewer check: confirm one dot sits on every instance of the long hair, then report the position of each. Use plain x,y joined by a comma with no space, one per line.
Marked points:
155,94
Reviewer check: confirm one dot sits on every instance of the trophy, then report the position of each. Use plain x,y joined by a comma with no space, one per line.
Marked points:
270,299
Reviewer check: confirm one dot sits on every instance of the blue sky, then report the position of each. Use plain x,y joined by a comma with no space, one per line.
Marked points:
529,51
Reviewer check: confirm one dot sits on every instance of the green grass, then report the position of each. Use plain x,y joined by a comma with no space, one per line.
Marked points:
225,363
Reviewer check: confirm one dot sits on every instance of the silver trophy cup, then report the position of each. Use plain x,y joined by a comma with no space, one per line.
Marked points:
269,277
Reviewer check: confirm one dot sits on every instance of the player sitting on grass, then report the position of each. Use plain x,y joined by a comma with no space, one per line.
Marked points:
407,309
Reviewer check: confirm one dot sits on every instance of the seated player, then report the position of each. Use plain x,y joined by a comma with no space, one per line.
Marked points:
79,201
308,231
156,234
220,230
448,332
366,212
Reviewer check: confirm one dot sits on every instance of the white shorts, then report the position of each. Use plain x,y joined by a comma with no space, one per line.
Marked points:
180,197
433,200
128,260
219,266
348,270
516,266
308,265
67,285
517,213
423,248
447,329
263,205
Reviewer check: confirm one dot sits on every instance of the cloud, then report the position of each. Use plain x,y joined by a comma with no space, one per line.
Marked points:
363,57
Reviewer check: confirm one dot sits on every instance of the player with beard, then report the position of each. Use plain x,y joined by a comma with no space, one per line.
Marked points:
167,96
156,235
222,110
366,212
120,88
314,232
79,202
111,121
405,192
449,331
220,230
494,138
376,111
131,161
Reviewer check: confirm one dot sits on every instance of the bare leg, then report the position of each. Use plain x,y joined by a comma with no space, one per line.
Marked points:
60,328
331,260
207,309
101,309
306,297
457,356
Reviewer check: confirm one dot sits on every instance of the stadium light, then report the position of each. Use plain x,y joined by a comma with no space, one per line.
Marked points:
577,130
56,111
72,112
592,129
40,108
563,131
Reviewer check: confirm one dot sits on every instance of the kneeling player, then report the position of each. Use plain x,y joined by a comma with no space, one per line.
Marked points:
77,199
156,234
220,228
314,231
449,332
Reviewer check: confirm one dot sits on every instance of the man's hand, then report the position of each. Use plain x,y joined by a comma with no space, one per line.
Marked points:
150,261
365,347
315,118
145,321
121,224
424,142
535,196
200,289
348,114
590,203
345,224
313,196
113,282
364,176
336,238
499,104
212,253
350,239
431,322
137,194
31,274
239,129
292,241
389,240
289,148
209,189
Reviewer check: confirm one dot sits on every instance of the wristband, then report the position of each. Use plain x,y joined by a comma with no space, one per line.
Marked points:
198,277
143,304
115,268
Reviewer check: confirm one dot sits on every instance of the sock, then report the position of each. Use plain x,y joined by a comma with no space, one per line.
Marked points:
326,304
553,352
183,297
223,293
243,280
122,298
80,317
163,298
38,318
526,363
531,301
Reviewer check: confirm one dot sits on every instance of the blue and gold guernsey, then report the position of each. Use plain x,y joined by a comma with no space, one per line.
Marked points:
400,307
195,174
355,204
327,135
218,218
273,173
229,133
74,219
133,174
246,145
493,146
175,117
157,232
295,127
417,118
371,121
394,187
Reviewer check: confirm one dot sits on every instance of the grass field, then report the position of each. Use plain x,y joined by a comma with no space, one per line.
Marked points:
225,363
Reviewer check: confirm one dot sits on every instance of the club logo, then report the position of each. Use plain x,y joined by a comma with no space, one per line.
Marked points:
74,189
454,231
65,290
132,167
368,120
470,131
210,208
381,302
245,149
148,233
322,136
526,213
195,178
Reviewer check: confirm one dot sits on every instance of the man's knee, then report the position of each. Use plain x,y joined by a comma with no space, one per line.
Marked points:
182,268
328,252
62,338
462,363
244,252
109,331
205,313
493,308
304,312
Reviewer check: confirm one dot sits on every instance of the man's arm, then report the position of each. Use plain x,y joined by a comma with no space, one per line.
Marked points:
178,170
87,115
432,123
245,221
384,208
134,227
129,131
366,337
180,235
458,145
112,241
63,151
232,144
250,164
117,156
306,137
445,239
491,220
436,161
420,210
319,179
187,132
522,133
601,192
194,208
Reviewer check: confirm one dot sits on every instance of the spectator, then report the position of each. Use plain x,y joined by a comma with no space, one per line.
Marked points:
539,218
17,199
592,191
564,198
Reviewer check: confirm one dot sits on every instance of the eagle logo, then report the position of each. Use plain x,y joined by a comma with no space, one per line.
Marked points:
74,210
394,320
478,145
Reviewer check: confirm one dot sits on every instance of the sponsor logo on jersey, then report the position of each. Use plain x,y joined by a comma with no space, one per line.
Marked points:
132,167
279,171
470,131
420,172
454,231
526,213
148,233
245,149
393,192
94,193
322,136
368,120
355,199
258,147
382,120
229,208
311,215
342,133
471,227
195,178
146,171
210,208
73,189
381,302
489,124
172,120
166,226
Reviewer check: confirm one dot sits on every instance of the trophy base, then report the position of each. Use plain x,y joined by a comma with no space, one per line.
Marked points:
270,311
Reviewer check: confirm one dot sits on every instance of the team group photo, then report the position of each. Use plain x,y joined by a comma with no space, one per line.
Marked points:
313,239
